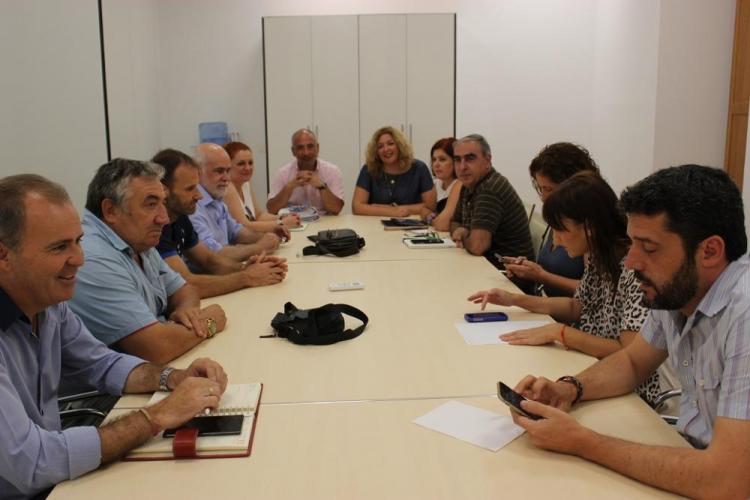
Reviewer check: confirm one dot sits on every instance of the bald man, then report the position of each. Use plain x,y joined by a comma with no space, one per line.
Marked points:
216,228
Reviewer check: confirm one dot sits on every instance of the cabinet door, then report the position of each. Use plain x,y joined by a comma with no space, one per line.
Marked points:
288,70
335,90
430,66
382,74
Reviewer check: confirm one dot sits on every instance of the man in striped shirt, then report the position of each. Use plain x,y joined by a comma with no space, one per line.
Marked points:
490,219
689,253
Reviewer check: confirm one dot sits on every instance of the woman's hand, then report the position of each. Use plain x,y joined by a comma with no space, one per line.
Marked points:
525,269
493,296
291,220
534,336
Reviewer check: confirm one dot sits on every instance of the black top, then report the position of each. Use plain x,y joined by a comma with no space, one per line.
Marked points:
177,237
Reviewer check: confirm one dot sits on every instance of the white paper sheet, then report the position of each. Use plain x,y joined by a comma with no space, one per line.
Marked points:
473,425
488,333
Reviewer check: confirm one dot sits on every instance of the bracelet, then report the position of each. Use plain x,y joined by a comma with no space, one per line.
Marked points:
430,218
562,337
155,429
164,377
572,380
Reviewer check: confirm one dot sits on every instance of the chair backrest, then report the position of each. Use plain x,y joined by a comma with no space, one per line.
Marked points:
216,132
537,227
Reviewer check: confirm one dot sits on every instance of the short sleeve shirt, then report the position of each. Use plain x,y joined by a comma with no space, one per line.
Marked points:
114,296
608,308
309,195
493,205
176,237
402,189
710,353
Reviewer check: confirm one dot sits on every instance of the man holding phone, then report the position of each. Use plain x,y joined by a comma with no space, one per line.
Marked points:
688,252
43,342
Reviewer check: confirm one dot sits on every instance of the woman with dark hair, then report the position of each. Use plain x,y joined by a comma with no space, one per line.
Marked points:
554,271
584,215
240,199
446,183
392,183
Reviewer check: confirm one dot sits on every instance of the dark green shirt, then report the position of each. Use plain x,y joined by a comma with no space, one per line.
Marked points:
493,205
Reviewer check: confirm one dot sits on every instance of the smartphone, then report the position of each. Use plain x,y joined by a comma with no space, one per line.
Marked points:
482,317
425,241
224,425
513,400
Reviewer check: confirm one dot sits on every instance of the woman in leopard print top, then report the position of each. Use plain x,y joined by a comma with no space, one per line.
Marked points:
606,307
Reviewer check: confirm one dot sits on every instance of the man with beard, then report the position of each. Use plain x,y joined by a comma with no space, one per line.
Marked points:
688,251
180,241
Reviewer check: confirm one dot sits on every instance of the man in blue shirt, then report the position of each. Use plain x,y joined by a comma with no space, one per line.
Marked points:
42,341
126,294
689,253
216,228
214,274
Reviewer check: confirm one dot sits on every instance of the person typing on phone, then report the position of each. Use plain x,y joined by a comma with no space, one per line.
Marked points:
689,254
42,342
606,307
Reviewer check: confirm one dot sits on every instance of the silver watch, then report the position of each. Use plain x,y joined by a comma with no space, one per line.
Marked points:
163,377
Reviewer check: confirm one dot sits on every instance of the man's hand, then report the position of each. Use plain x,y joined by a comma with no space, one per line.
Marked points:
282,232
458,236
192,319
216,313
299,180
269,242
192,396
315,180
557,431
559,395
201,367
266,272
534,336
291,220
493,296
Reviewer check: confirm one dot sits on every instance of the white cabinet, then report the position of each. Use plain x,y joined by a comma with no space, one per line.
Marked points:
345,76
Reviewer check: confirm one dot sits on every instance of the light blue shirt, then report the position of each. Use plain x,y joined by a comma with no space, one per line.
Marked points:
114,295
34,453
216,228
710,351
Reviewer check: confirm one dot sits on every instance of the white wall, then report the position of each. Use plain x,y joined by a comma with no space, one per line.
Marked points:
605,77
131,48
51,104
642,83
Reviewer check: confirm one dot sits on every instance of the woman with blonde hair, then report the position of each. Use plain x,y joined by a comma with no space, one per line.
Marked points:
392,183
240,199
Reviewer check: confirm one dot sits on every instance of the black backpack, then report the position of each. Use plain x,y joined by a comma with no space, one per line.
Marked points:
338,242
318,326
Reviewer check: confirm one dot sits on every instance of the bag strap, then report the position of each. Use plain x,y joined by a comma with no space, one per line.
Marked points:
346,334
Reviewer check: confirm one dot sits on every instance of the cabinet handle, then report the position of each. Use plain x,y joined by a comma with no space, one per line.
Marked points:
316,133
402,128
410,137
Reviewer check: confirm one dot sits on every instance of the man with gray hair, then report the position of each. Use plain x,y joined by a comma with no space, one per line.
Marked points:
308,180
127,295
43,343
216,227
490,219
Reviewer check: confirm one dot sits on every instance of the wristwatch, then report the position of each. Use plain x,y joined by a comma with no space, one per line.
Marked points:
322,186
575,382
212,327
164,377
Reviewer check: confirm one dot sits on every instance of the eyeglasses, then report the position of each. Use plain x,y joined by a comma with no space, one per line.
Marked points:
540,190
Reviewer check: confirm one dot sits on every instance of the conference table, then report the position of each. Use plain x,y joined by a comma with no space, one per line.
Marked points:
336,421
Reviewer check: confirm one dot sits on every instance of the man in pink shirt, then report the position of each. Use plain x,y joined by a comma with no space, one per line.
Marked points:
308,180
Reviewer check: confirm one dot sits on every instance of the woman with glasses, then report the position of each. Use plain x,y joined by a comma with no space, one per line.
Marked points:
555,272
392,183
587,222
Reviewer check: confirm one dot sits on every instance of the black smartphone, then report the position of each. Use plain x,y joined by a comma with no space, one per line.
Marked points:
482,317
513,400
426,241
224,425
